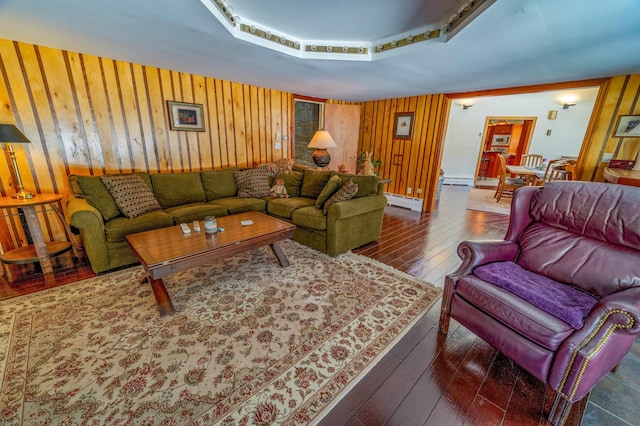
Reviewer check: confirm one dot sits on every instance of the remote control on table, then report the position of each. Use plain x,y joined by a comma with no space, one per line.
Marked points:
185,228
196,226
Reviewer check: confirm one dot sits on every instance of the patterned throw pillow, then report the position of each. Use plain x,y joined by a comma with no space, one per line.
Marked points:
346,192
252,183
131,194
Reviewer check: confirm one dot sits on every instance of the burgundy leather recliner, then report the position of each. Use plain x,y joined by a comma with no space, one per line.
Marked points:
560,295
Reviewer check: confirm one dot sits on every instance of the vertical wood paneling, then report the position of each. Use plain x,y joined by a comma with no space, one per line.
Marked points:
91,115
412,163
619,96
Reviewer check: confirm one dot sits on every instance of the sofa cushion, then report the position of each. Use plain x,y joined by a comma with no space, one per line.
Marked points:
195,211
333,184
600,211
252,183
98,196
175,189
309,217
346,192
367,184
293,182
555,253
284,207
118,227
560,300
537,325
219,183
240,205
313,182
131,194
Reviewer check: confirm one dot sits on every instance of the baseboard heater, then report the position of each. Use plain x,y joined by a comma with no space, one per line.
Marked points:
415,204
454,180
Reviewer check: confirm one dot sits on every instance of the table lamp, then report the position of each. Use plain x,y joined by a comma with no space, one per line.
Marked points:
10,134
320,141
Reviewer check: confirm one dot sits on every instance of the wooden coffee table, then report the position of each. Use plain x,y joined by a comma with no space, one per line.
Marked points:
167,250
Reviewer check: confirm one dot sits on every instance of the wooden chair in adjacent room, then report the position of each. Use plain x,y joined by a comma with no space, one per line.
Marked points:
555,171
506,184
573,172
531,160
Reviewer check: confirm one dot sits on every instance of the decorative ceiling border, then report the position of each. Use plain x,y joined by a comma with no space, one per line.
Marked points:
345,50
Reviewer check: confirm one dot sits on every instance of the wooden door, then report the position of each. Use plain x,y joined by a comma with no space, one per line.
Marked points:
343,123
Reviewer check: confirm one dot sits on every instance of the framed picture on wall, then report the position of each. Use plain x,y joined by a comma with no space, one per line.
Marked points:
404,125
184,116
628,126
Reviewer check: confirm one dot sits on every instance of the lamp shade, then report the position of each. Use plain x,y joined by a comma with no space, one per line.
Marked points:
10,133
322,140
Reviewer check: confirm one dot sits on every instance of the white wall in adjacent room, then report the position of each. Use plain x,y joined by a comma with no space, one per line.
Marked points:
463,140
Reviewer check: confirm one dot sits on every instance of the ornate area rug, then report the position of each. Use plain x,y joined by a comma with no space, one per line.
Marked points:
250,342
482,200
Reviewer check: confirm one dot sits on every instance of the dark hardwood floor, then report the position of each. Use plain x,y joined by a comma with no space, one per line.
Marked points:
426,378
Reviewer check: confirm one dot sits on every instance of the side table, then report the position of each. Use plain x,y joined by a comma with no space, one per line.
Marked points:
40,251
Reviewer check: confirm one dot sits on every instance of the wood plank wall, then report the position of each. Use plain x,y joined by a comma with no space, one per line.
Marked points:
89,115
619,96
410,163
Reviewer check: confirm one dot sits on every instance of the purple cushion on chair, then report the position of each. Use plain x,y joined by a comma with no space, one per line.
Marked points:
560,300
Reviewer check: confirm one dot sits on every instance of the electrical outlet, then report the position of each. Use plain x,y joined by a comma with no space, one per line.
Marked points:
278,145
408,190
419,190
607,157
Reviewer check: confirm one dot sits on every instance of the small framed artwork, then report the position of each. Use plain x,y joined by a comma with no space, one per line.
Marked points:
628,126
404,125
184,116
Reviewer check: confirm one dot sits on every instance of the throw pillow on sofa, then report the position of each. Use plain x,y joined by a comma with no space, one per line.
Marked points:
252,183
346,192
367,184
131,194
329,189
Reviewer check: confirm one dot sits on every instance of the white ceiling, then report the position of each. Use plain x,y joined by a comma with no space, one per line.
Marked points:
512,43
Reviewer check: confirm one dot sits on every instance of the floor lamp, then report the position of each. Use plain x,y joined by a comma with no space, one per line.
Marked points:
320,141
10,134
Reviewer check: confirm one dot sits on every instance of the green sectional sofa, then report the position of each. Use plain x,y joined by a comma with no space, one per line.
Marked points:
189,196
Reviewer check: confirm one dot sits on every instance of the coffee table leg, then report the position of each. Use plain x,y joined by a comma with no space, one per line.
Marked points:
282,258
162,297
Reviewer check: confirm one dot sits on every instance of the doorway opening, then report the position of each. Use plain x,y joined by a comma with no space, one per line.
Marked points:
506,136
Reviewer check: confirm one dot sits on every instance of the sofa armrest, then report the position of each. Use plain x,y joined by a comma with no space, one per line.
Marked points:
608,332
355,207
82,215
477,253
89,221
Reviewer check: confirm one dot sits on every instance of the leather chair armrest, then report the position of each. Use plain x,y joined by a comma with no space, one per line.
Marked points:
476,253
591,352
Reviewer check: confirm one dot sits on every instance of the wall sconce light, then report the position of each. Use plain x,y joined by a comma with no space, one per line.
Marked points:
320,141
466,106
10,134
552,114
566,106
